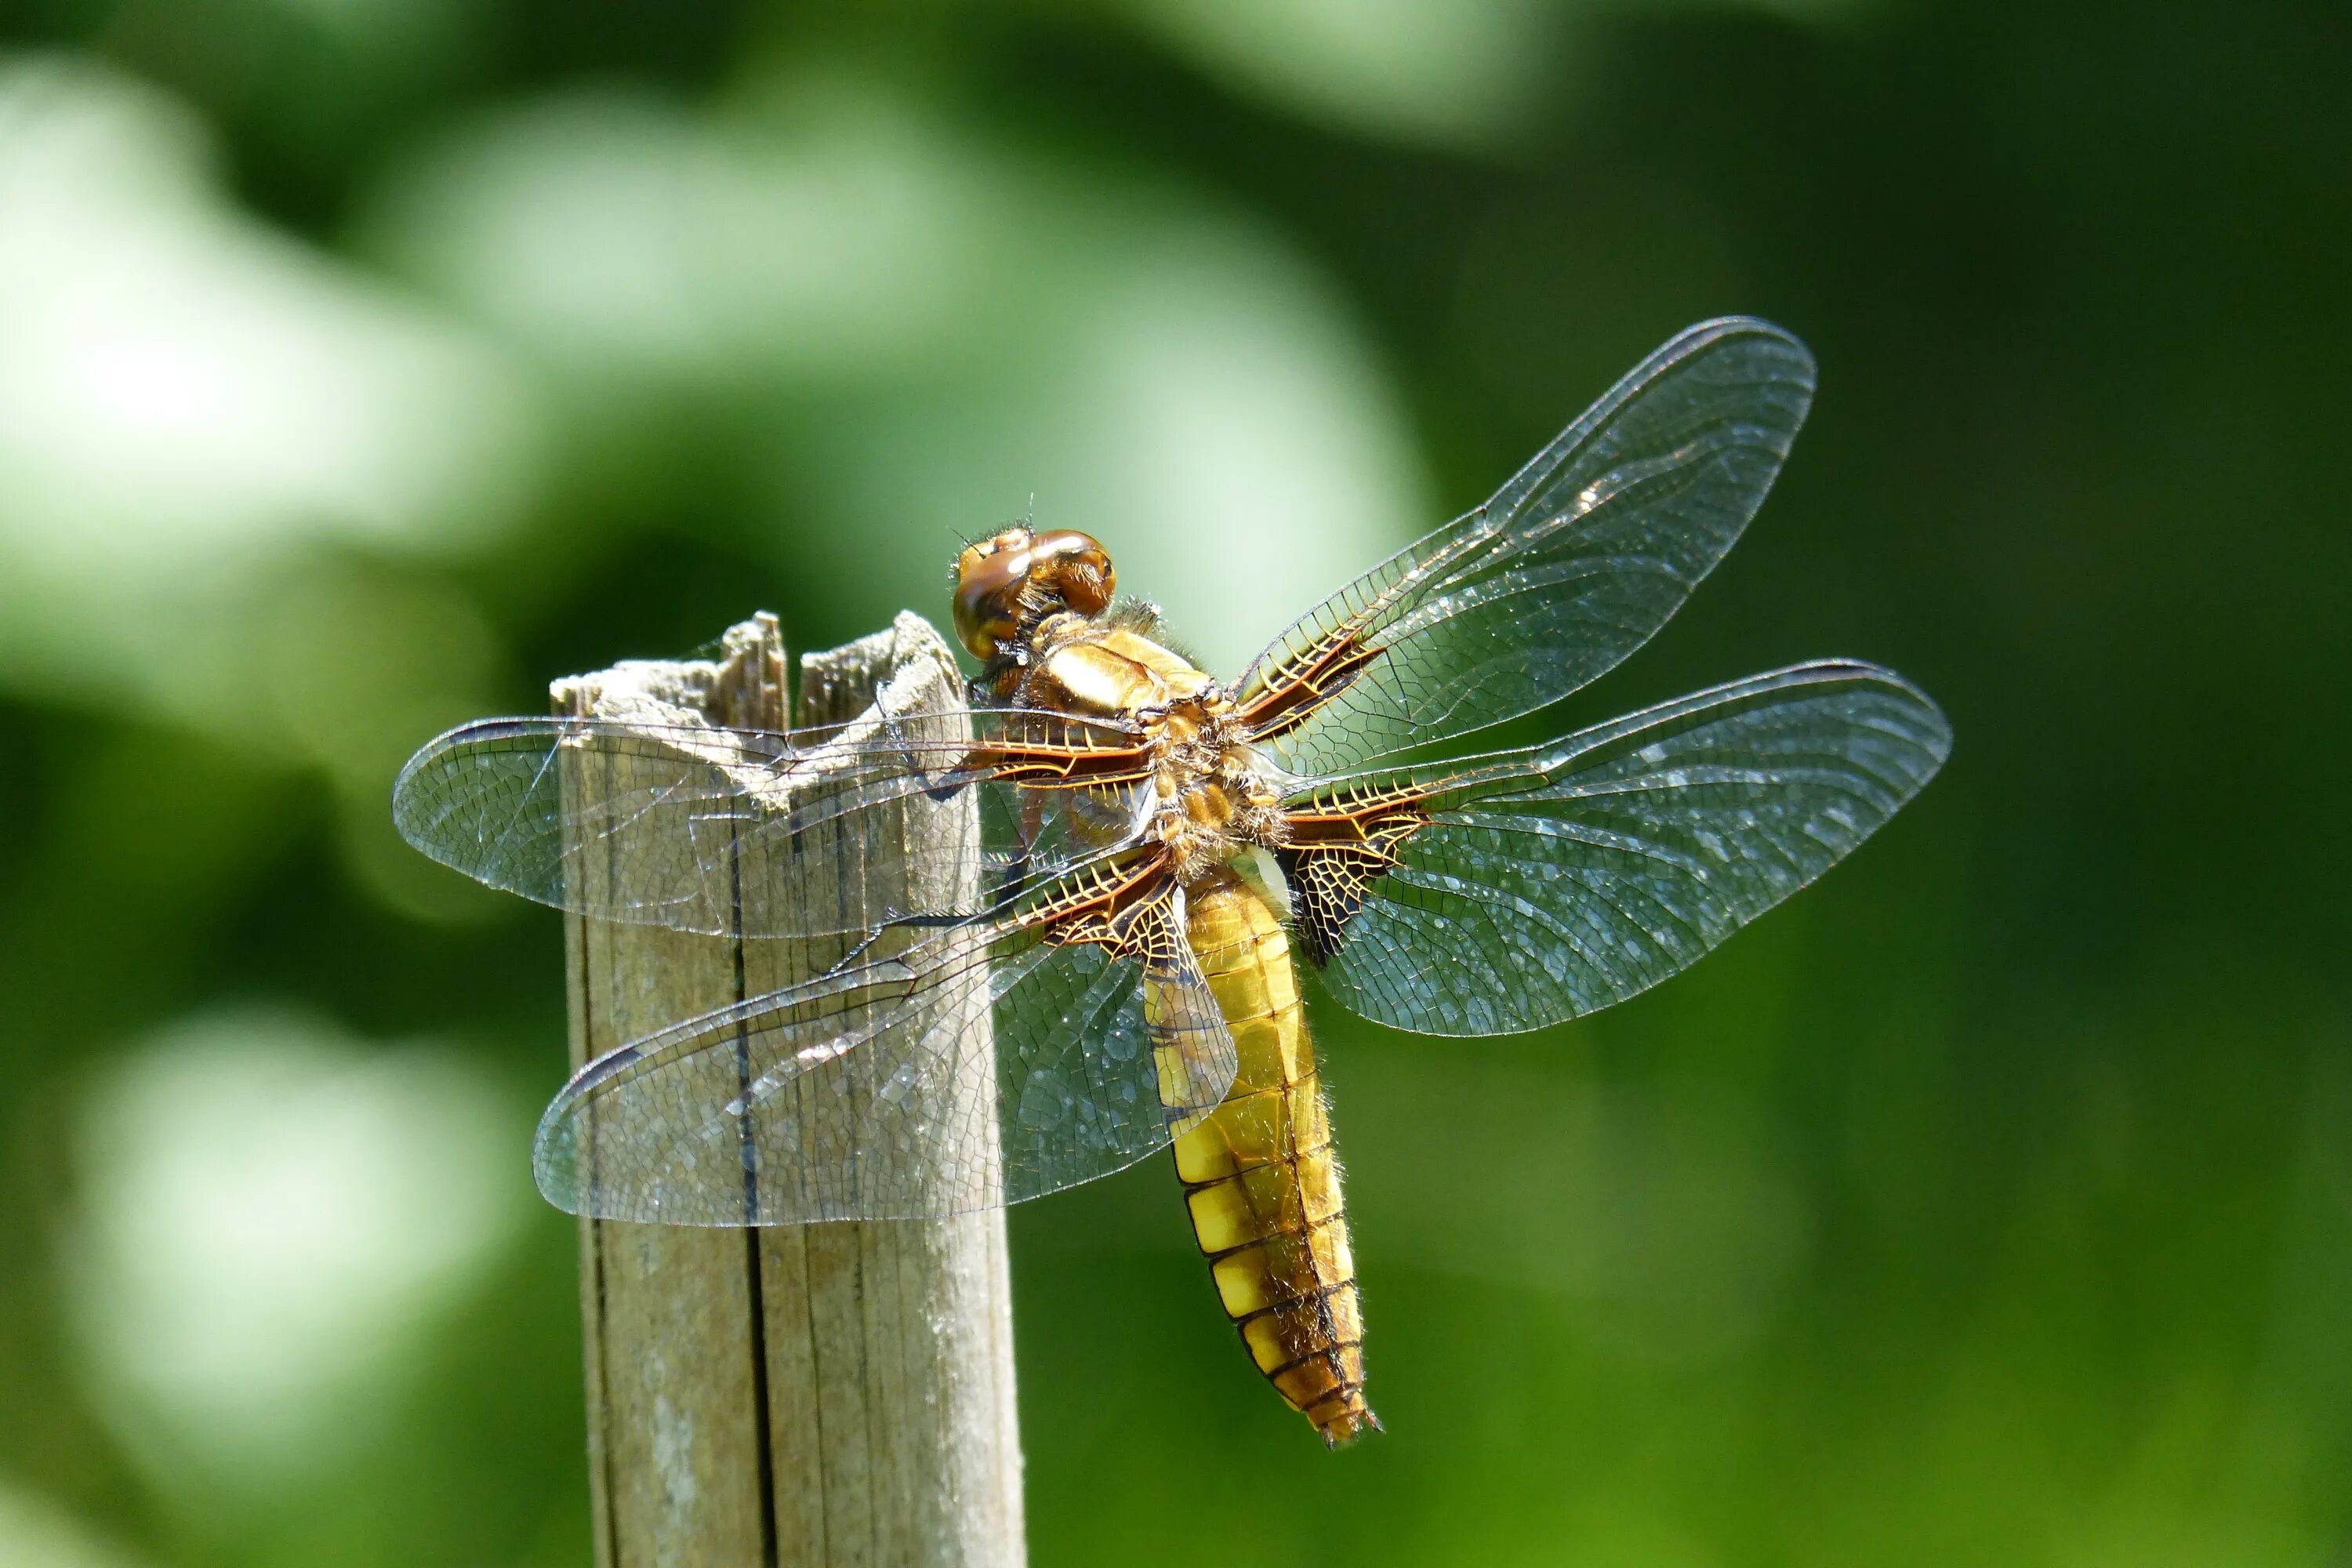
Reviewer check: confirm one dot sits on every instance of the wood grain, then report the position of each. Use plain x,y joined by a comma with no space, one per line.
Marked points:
826,1394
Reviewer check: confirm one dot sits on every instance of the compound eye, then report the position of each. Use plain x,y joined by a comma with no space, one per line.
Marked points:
1075,568
990,576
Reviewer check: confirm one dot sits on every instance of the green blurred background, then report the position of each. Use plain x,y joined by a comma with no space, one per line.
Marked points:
365,364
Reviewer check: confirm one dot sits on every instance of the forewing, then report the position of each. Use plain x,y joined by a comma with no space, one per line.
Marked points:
1507,892
982,1066
643,823
1571,566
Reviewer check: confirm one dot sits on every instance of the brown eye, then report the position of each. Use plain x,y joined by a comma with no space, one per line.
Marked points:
988,579
1075,568
1006,584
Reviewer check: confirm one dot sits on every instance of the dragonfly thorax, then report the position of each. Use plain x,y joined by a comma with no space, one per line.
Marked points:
1213,798
1212,795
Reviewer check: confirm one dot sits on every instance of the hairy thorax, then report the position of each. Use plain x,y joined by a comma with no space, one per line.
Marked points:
1212,795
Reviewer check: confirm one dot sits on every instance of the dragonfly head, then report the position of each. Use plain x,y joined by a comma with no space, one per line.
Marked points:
1006,584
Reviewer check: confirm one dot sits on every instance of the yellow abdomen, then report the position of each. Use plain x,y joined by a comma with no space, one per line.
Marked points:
1259,1177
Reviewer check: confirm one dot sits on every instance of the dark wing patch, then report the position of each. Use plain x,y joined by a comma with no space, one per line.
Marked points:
1331,876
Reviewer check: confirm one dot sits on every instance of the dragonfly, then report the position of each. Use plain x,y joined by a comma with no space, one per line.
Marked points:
1085,900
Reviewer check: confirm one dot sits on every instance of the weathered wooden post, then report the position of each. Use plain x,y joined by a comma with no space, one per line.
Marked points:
830,1394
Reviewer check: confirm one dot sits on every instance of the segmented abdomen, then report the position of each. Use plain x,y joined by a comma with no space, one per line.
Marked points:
1259,1176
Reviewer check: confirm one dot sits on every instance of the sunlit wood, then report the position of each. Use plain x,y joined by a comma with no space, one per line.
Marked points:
815,1394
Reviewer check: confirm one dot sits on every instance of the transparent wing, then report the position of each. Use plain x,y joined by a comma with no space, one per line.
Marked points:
622,820
1572,566
982,1066
1507,892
